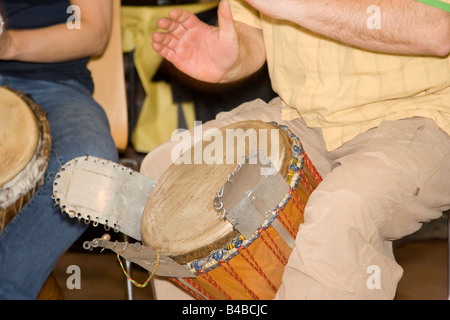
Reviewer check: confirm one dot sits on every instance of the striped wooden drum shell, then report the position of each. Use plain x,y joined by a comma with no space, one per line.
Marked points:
180,220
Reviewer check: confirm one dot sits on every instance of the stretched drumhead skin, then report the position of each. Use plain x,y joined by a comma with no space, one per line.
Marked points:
179,219
25,145
19,135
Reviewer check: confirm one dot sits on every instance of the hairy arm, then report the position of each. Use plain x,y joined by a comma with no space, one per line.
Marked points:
226,53
59,43
405,26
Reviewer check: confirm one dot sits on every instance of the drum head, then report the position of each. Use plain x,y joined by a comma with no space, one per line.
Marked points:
179,219
19,135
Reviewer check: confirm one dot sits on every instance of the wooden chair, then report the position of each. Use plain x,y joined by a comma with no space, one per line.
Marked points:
109,79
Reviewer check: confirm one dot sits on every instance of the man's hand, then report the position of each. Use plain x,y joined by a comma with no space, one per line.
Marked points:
202,51
225,53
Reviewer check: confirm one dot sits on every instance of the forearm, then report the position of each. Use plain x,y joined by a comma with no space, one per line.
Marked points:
252,54
52,44
404,26
59,42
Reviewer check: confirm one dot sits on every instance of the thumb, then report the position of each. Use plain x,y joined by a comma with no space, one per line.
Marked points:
225,19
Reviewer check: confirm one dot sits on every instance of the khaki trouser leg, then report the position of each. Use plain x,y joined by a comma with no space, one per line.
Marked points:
383,185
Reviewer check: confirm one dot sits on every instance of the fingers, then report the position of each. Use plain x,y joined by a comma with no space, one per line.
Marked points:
224,15
165,44
165,40
175,27
179,21
225,19
165,52
172,27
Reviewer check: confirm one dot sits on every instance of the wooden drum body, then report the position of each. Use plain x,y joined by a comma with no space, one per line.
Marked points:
181,218
25,143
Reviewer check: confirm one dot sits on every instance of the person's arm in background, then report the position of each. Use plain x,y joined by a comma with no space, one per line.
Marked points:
59,43
406,26
225,53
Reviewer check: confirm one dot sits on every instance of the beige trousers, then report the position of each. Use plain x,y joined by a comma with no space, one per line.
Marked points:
377,188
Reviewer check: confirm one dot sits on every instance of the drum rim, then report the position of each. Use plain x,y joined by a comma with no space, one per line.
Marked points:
293,177
185,252
12,191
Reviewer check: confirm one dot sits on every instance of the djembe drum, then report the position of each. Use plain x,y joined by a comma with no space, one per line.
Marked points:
183,218
25,143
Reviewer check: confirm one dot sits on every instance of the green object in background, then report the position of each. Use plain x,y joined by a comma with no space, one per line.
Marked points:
437,4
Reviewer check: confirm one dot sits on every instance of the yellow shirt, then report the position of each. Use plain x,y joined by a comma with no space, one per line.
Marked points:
346,90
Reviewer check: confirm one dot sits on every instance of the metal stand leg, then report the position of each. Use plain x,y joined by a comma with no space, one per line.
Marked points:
132,164
128,269
129,284
152,287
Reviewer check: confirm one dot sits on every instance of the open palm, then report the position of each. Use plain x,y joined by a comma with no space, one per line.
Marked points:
201,51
